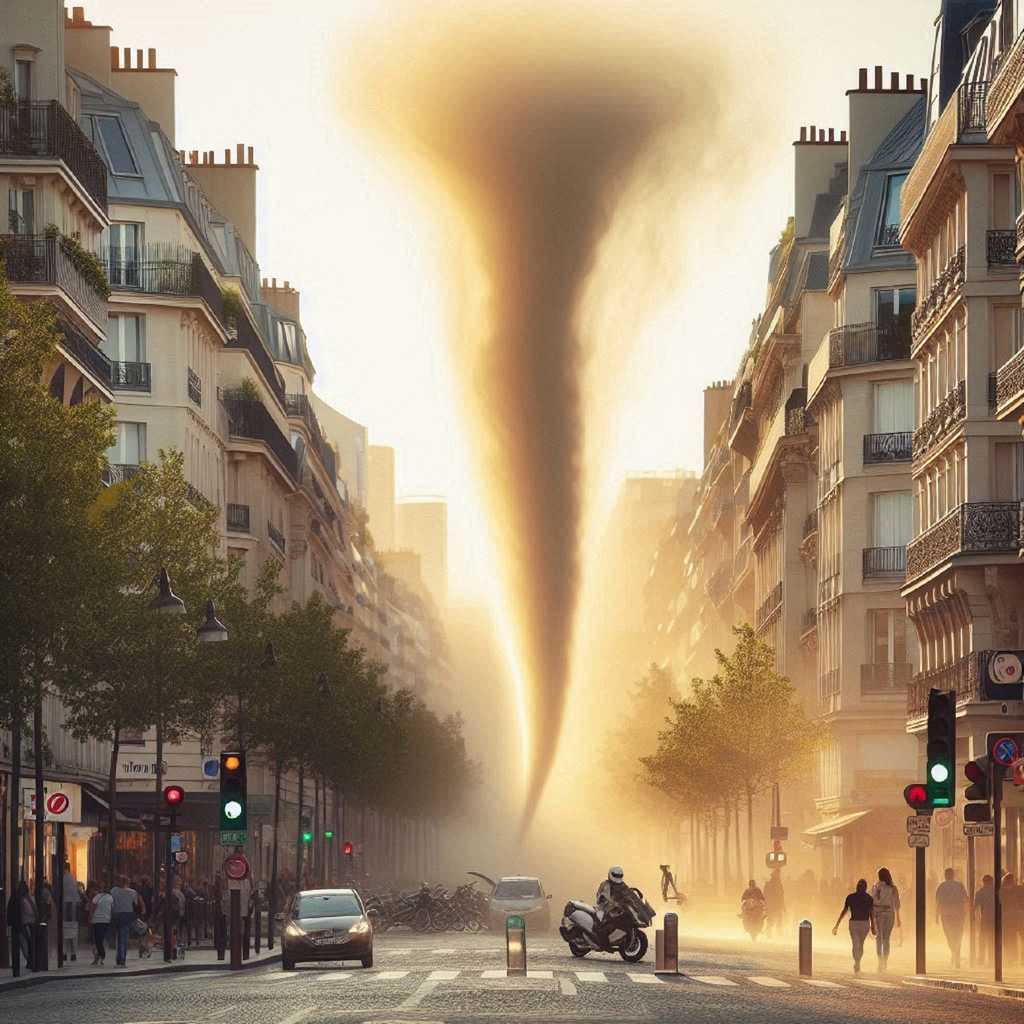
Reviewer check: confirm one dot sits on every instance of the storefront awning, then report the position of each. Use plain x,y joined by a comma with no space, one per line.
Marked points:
102,802
834,825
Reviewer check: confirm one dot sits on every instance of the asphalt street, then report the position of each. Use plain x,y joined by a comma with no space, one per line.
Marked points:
461,978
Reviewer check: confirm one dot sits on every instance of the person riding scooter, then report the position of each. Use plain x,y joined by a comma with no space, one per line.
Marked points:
752,909
612,895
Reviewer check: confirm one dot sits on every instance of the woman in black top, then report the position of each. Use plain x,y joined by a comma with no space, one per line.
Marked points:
861,908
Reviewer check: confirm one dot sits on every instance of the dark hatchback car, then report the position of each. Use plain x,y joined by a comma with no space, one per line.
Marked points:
326,924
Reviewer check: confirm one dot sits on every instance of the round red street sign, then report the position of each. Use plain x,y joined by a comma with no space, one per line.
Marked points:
57,803
236,867
1005,751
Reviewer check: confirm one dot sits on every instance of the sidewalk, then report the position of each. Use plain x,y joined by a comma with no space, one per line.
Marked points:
989,988
196,960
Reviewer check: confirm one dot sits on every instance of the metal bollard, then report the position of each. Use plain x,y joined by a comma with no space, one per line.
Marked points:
219,937
515,946
805,948
246,936
668,940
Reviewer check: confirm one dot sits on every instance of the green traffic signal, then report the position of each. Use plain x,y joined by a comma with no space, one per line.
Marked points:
307,837
941,749
328,835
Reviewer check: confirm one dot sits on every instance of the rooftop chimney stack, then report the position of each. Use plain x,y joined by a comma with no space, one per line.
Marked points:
815,155
231,188
284,300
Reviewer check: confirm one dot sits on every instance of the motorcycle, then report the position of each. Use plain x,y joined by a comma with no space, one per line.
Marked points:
619,930
753,913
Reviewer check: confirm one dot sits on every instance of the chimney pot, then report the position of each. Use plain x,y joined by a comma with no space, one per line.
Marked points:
821,134
814,133
910,83
924,84
194,156
227,156
138,59
862,82
803,134
250,156
115,58
273,282
286,286
842,135
878,78
151,55
831,135
127,56
240,151
78,14
894,81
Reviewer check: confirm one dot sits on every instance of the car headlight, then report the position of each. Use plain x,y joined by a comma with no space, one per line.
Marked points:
294,931
359,928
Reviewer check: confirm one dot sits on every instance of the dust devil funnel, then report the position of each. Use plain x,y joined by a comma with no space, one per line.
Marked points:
535,124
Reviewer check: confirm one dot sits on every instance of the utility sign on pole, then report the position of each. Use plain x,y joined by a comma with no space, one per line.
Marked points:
919,825
921,839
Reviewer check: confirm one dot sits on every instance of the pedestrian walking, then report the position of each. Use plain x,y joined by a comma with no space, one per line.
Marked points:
886,899
1011,892
147,894
985,908
775,902
101,913
951,903
860,906
127,904
21,919
70,900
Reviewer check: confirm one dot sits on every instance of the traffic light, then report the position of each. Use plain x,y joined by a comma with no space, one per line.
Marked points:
233,812
777,857
307,836
916,795
174,796
941,751
979,791
328,834
347,848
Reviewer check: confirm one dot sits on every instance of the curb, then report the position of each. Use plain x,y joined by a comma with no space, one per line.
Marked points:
218,965
981,988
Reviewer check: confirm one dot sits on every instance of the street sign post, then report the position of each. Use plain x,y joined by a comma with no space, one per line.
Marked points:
919,825
979,829
1005,751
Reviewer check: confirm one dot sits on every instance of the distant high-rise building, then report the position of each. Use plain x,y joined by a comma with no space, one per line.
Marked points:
421,525
381,496
349,439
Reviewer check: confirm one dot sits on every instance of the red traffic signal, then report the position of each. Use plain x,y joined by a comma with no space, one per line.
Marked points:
347,848
173,796
916,795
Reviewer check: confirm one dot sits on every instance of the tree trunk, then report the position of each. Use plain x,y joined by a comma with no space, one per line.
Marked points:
14,806
115,749
713,823
273,854
40,824
298,838
739,846
726,869
158,800
750,831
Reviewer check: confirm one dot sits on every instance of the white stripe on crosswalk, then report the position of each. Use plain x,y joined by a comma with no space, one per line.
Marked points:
493,974
820,983
591,977
388,975
566,987
336,975
280,977
540,974
760,979
712,979
443,952
873,984
644,979
397,952
442,975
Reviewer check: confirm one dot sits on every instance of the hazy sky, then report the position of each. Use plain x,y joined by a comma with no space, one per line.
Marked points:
348,227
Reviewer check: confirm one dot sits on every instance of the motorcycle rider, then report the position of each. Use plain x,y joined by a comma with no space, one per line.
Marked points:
752,892
752,908
611,895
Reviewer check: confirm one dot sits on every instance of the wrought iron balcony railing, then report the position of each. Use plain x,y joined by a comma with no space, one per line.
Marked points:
1010,380
770,605
809,620
897,447
1002,248
810,525
719,584
947,285
130,376
974,528
248,418
855,344
885,561
276,537
195,387
888,237
42,259
951,411
973,99
962,677
119,472
79,346
44,130
886,678
238,518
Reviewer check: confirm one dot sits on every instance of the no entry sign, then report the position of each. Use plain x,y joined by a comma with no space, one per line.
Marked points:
62,801
236,867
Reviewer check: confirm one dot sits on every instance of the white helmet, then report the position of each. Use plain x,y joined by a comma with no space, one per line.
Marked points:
616,874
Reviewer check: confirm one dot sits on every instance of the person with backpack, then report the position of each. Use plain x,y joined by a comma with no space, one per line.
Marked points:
886,898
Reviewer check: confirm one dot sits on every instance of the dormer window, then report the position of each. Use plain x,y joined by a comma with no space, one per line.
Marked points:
107,134
286,340
889,225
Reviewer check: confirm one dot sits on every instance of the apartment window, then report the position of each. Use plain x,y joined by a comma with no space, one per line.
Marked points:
893,406
1009,471
1004,212
125,254
889,226
23,80
286,340
1006,331
887,636
126,338
891,518
893,310
107,135
130,447
21,211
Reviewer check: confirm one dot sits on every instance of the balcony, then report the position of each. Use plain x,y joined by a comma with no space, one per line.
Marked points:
119,473
975,528
719,585
810,525
79,347
1010,383
49,260
1006,85
48,131
856,344
962,677
195,387
809,621
743,426
249,419
242,334
1002,248
276,537
885,679
237,518
972,98
130,376
880,449
946,416
944,292
888,562
770,606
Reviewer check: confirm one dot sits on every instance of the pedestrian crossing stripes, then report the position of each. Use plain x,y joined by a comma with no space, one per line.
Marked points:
443,975
873,984
713,979
766,982
644,979
388,975
591,977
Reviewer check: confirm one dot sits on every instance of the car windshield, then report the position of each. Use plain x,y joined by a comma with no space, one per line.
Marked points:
328,904
517,889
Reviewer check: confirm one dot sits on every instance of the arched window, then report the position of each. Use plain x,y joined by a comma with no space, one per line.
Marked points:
76,393
57,384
